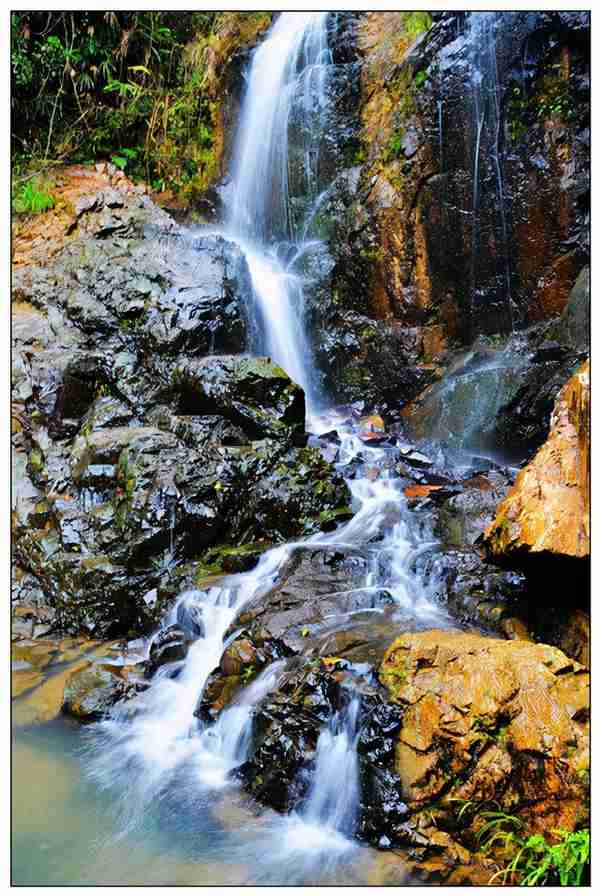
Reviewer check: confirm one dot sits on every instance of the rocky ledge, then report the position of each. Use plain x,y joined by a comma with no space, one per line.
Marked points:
143,459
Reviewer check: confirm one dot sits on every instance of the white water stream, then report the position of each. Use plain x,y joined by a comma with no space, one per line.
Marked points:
156,738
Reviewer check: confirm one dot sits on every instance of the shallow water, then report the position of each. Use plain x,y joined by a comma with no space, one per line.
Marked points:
66,831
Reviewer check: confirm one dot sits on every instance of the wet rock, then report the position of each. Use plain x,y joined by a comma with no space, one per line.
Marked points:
189,617
106,412
286,730
207,309
461,409
523,422
91,692
573,327
462,518
255,393
364,358
169,646
574,637
414,201
301,495
546,513
315,584
476,591
485,719
250,652
415,458
125,481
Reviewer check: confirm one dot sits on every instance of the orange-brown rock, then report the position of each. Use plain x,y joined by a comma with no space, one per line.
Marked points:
489,721
547,510
420,491
574,637
38,238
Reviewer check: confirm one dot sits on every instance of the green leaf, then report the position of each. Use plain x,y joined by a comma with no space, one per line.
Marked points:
119,161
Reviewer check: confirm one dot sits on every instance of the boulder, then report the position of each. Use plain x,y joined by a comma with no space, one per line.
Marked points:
169,646
573,327
488,722
287,725
247,655
546,513
463,516
254,393
90,693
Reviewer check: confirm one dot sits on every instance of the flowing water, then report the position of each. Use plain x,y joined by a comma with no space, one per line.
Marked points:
287,92
159,769
482,33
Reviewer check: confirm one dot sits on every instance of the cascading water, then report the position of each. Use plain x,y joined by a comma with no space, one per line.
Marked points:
328,804
154,743
286,91
226,743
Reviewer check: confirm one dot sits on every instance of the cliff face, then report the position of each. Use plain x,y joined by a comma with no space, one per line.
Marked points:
473,182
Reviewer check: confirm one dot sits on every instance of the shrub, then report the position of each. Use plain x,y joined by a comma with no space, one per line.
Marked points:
32,198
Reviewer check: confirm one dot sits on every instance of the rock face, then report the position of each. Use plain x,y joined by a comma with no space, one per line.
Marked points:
412,237
497,397
138,448
547,510
489,723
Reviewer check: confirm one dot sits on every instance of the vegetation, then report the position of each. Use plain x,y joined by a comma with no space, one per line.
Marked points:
550,97
532,860
120,86
32,197
417,23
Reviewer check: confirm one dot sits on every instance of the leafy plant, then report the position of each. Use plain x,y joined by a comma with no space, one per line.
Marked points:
394,147
417,23
499,827
33,198
87,84
125,157
537,862
249,673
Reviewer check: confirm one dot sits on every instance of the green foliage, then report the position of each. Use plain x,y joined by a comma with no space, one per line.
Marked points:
417,22
249,673
125,158
533,860
550,97
538,863
114,85
553,99
32,198
420,78
394,147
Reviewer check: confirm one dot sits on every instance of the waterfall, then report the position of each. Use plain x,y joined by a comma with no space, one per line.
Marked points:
154,746
482,34
286,86
334,792
276,164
